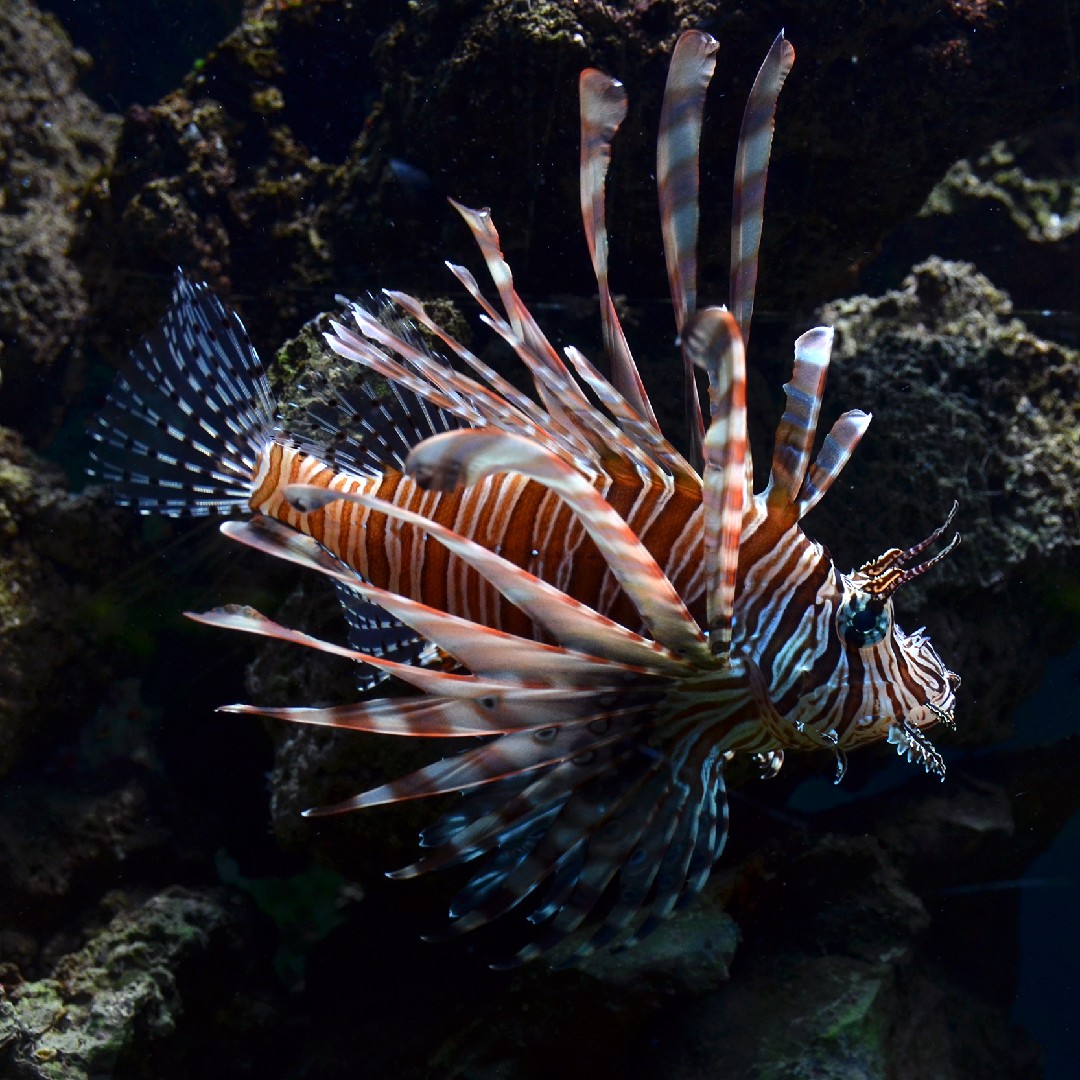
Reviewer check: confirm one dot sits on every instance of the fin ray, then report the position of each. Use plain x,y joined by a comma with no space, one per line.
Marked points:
183,429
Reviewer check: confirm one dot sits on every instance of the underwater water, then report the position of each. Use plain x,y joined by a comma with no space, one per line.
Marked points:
165,909
1050,958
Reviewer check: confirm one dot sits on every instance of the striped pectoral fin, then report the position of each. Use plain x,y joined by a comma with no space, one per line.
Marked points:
469,707
649,886
670,879
373,631
421,717
506,756
712,827
648,847
638,873
451,684
467,457
457,705
555,854
696,840
838,446
486,817
798,426
711,341
751,170
608,848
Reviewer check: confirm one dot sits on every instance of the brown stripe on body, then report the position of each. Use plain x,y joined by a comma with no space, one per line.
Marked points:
288,465
853,704
808,578
507,514
770,560
829,670
887,685
665,537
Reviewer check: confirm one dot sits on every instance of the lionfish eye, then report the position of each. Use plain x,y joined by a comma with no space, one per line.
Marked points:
863,621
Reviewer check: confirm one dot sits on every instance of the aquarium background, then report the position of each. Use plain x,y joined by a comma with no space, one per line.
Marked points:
164,910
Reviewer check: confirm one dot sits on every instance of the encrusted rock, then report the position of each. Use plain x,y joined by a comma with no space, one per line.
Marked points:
55,549
968,405
53,141
119,997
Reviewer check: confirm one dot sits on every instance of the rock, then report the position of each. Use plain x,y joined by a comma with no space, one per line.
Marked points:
55,551
969,405
54,141
107,1008
283,171
59,846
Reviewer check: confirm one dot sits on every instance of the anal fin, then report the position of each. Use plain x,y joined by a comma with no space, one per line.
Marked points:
373,630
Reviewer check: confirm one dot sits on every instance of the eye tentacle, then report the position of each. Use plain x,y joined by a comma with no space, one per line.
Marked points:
885,574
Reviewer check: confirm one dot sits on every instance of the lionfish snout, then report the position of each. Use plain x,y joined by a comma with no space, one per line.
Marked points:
921,691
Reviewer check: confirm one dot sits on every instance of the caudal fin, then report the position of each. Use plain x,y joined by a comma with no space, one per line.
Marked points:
183,427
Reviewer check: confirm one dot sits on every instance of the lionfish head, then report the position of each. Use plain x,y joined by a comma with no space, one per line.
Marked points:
910,688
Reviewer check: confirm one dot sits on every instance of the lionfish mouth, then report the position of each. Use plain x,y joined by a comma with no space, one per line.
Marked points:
908,735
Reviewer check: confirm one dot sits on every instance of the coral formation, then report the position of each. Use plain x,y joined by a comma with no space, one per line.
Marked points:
1017,205
284,171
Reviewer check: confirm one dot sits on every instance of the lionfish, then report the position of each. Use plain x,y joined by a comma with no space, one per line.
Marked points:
614,620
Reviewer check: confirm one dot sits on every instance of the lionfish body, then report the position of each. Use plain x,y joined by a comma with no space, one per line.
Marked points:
614,620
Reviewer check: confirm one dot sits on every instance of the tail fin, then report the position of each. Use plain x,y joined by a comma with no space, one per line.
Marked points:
182,429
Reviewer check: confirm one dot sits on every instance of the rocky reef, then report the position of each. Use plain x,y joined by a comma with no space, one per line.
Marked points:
53,141
970,405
